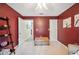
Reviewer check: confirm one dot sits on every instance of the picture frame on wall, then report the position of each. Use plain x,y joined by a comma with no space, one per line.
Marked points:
67,22
76,20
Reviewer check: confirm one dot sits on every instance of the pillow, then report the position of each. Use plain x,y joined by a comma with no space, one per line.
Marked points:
77,53
73,48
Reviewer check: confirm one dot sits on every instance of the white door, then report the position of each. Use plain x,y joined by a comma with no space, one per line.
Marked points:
29,29
25,30
53,30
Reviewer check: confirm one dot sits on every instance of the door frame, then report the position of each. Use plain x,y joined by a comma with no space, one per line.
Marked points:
18,28
54,29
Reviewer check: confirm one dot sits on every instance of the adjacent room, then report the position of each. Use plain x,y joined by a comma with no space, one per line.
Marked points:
39,28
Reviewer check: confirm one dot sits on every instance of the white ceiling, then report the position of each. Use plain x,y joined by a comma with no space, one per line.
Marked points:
29,9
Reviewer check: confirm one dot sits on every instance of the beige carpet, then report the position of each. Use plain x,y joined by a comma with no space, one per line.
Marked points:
55,48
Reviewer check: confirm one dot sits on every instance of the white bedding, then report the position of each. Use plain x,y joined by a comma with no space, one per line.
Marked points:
55,48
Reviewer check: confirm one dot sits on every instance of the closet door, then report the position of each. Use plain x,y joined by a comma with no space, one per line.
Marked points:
29,30
53,29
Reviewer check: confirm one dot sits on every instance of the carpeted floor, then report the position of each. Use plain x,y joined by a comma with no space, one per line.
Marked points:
55,48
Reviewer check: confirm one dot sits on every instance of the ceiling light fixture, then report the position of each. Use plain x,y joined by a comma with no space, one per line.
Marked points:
41,6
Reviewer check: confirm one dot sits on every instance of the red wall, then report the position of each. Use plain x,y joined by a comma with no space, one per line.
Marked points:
68,35
42,24
5,10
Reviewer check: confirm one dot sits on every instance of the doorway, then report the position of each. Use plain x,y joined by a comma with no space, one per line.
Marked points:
53,30
25,30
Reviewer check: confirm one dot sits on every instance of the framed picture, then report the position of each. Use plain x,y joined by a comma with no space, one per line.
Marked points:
76,20
67,23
